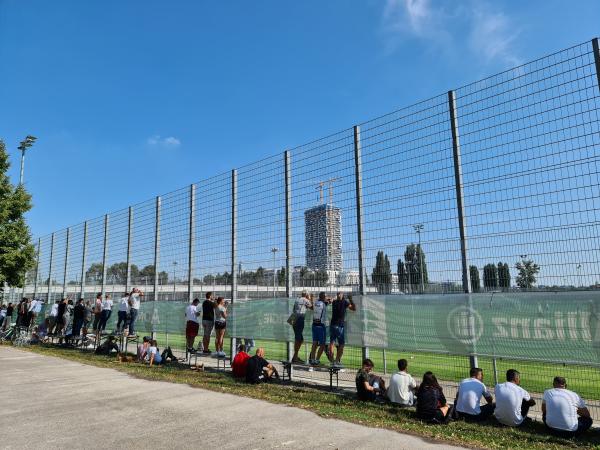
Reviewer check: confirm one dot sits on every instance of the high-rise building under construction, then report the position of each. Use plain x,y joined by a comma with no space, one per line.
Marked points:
323,238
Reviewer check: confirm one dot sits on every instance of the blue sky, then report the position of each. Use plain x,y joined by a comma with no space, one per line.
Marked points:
133,99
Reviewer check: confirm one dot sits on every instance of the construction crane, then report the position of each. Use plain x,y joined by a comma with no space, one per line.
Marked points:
320,185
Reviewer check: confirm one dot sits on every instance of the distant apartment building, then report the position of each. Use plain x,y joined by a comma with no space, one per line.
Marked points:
323,239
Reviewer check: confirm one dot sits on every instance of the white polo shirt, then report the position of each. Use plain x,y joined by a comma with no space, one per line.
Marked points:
509,398
54,310
561,409
107,304
470,391
400,389
124,304
191,313
135,301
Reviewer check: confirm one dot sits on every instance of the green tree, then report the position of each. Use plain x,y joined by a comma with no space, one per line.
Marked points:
17,254
503,276
118,272
94,273
382,274
402,276
148,273
281,277
414,257
474,274
527,273
490,276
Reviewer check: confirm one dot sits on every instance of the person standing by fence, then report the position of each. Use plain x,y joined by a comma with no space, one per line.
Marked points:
8,317
319,330
134,304
107,305
220,325
192,325
300,306
97,311
52,317
208,321
122,313
337,332
78,315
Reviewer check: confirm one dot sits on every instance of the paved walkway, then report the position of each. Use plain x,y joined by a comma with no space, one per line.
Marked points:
54,403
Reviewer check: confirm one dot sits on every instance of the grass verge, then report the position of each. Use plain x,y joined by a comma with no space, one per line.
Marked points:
331,405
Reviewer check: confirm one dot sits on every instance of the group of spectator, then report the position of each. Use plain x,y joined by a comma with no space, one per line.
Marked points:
563,412
337,333
253,369
26,311
212,314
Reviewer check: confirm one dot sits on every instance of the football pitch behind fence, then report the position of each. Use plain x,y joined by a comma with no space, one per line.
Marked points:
465,226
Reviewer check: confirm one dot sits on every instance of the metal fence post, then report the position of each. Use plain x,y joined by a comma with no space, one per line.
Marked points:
359,230
156,263
66,262
83,259
458,182
105,254
596,48
129,236
192,242
234,270
289,287
37,267
49,296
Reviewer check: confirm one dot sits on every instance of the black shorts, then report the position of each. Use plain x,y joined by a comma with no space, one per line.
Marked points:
434,418
220,325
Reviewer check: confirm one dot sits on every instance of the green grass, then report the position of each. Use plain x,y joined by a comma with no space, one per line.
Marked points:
325,404
536,376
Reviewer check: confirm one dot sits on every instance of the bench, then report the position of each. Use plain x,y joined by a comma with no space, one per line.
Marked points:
288,371
220,359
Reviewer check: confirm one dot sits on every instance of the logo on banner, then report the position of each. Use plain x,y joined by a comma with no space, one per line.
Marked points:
465,325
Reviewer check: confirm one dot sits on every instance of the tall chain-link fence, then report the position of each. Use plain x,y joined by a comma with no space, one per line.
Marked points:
465,226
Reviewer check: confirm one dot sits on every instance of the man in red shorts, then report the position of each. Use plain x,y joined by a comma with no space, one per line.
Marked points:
192,325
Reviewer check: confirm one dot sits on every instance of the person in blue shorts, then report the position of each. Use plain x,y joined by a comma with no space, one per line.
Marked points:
319,330
337,333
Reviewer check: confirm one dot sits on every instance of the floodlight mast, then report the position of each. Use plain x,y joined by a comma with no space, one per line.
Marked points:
23,146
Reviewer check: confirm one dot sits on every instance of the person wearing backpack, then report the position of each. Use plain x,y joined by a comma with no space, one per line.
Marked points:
319,330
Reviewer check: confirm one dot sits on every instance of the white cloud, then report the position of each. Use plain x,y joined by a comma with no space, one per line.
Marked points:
455,27
168,142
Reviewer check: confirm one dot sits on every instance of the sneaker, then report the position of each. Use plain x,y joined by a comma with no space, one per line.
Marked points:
316,362
338,365
191,350
297,361
207,351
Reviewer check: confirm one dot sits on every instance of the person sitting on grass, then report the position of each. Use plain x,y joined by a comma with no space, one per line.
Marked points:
512,401
143,348
402,386
40,332
369,387
563,411
240,362
258,369
107,346
153,355
431,402
468,398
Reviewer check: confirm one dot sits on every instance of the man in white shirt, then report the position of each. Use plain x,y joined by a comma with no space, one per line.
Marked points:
468,397
563,411
134,303
52,317
192,325
401,390
512,401
319,330
35,307
107,305
122,313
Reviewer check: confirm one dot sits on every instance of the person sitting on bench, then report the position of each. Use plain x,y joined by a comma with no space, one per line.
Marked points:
258,369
